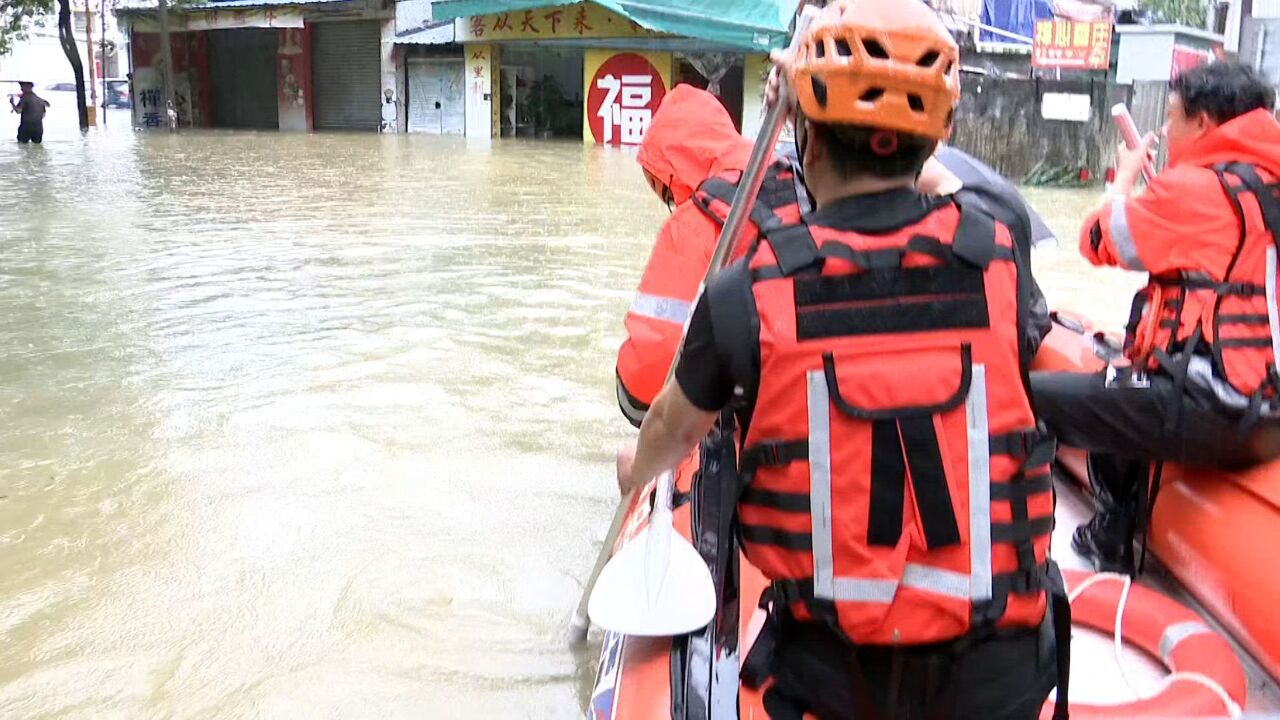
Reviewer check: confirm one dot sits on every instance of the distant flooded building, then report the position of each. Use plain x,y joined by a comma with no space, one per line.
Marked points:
580,69
297,65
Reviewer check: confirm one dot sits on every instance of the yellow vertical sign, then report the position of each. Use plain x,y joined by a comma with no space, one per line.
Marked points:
613,101
481,90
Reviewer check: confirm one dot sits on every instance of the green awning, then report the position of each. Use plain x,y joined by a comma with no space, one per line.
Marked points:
757,25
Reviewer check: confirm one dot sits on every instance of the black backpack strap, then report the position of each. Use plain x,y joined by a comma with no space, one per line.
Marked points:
975,240
1268,196
1059,606
775,192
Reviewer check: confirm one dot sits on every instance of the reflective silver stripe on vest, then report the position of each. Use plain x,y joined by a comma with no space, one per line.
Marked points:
1178,632
824,586
975,408
1122,238
661,308
918,577
633,414
936,580
1273,315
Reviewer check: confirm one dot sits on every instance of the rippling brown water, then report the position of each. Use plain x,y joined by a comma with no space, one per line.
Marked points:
318,426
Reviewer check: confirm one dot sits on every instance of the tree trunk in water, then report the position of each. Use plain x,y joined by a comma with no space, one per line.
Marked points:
166,70
67,39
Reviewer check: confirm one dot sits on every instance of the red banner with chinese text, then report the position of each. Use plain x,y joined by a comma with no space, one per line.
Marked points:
1071,45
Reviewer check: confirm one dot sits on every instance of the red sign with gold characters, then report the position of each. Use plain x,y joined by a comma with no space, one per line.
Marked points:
1071,45
622,98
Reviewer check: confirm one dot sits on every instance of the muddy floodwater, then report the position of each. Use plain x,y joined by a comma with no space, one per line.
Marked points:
320,426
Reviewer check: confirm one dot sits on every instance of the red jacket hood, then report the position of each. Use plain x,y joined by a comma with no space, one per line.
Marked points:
691,139
1252,138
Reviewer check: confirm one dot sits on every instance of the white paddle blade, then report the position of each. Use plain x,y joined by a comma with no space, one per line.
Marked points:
630,598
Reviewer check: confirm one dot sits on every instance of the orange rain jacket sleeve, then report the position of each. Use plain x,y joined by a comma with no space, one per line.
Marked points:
1184,221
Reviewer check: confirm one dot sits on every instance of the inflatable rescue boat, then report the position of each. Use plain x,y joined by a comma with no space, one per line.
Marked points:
1211,530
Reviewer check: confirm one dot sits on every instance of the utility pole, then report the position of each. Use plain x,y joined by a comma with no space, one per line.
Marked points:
88,45
166,73
105,96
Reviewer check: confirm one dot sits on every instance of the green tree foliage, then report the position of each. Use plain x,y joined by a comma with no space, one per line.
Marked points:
16,16
1183,12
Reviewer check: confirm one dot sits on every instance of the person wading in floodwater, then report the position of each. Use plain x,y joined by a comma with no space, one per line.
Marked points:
31,108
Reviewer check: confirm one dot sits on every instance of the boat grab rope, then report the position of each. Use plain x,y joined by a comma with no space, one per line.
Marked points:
1233,709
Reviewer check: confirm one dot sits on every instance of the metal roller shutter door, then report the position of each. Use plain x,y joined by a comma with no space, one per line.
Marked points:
346,71
242,69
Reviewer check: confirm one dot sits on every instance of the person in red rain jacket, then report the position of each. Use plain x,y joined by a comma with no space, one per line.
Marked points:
692,138
1204,334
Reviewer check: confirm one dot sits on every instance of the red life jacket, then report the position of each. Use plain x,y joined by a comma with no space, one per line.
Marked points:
1236,319
896,481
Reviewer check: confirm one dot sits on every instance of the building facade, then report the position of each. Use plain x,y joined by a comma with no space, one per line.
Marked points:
258,64
581,70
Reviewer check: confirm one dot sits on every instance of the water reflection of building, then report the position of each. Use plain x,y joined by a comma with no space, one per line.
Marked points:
579,69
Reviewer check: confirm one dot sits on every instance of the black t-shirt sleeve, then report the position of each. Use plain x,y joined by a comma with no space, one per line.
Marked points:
702,373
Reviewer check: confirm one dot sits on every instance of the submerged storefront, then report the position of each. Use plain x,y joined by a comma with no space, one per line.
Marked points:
257,64
598,70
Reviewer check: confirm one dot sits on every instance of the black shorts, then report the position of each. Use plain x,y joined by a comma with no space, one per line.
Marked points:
1003,677
31,132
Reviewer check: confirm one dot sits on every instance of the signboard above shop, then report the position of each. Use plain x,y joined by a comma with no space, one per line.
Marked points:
1072,45
224,19
584,20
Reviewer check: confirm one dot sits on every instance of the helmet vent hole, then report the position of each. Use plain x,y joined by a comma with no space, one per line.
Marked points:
843,49
875,49
819,91
928,59
916,103
950,67
872,95
820,50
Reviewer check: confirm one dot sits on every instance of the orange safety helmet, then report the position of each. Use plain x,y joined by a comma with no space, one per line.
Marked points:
888,64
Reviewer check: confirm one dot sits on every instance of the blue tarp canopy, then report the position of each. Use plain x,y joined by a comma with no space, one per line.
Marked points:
758,25
1013,16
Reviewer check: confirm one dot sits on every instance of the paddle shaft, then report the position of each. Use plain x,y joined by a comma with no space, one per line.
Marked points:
745,197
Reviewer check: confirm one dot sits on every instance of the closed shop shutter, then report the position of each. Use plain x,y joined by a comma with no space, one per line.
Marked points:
345,74
242,78
436,101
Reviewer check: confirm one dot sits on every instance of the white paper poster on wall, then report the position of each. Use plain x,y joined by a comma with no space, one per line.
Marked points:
1071,107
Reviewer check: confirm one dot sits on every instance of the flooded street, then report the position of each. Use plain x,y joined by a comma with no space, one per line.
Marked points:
309,426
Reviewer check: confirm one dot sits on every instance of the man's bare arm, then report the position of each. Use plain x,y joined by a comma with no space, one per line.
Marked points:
671,429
